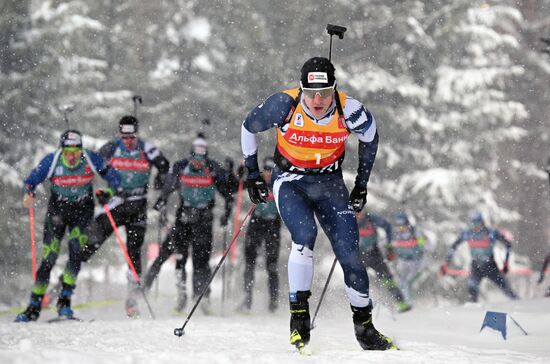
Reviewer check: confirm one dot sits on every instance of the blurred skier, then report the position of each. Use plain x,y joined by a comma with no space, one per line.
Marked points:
264,228
197,178
71,170
408,244
481,240
133,158
542,272
372,256
313,122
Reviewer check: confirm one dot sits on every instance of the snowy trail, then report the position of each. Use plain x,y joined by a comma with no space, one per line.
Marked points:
442,334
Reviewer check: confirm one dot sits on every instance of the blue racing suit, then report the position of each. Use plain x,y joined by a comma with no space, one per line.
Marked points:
70,207
481,245
302,192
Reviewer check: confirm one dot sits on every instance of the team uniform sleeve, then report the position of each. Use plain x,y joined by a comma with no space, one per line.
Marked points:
455,245
172,178
272,113
110,175
39,174
222,182
107,150
507,243
360,122
384,224
155,156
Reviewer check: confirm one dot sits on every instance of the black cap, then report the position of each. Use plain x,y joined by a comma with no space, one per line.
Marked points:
71,139
317,72
128,124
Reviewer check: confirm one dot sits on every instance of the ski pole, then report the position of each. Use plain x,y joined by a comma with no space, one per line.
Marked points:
137,101
179,331
223,268
127,256
237,214
323,293
334,30
33,243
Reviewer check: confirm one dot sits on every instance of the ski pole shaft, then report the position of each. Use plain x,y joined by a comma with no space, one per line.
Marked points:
127,256
179,331
33,243
237,215
223,268
323,293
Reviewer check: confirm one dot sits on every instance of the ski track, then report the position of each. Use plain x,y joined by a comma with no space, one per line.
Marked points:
442,334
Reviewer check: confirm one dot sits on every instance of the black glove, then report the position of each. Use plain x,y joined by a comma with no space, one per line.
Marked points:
257,189
358,198
103,196
160,204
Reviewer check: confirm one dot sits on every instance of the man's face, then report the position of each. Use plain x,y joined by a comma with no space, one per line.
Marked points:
72,156
477,224
318,102
129,140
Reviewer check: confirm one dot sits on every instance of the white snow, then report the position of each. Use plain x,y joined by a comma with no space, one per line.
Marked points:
442,333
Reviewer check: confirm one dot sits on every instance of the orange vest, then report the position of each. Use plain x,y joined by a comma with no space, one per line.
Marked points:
306,144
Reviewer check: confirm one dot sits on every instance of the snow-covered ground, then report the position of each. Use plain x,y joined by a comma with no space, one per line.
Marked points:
440,334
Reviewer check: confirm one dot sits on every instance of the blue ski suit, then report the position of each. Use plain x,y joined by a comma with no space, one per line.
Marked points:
70,207
303,192
481,245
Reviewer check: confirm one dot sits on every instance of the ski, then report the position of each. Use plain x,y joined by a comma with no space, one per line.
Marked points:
64,318
304,350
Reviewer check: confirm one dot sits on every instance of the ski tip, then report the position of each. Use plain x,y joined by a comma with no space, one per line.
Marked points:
65,318
304,350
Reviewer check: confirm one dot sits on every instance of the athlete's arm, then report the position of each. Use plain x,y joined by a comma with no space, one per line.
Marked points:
39,174
360,122
272,113
106,172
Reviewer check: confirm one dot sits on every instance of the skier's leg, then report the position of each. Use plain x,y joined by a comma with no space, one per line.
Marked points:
251,243
167,248
54,229
500,280
272,246
384,276
99,229
476,274
80,219
202,250
182,247
296,211
135,222
340,225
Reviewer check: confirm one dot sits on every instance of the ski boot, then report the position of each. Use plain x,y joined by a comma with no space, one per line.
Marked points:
299,319
131,304
403,307
64,301
366,334
132,308
33,310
